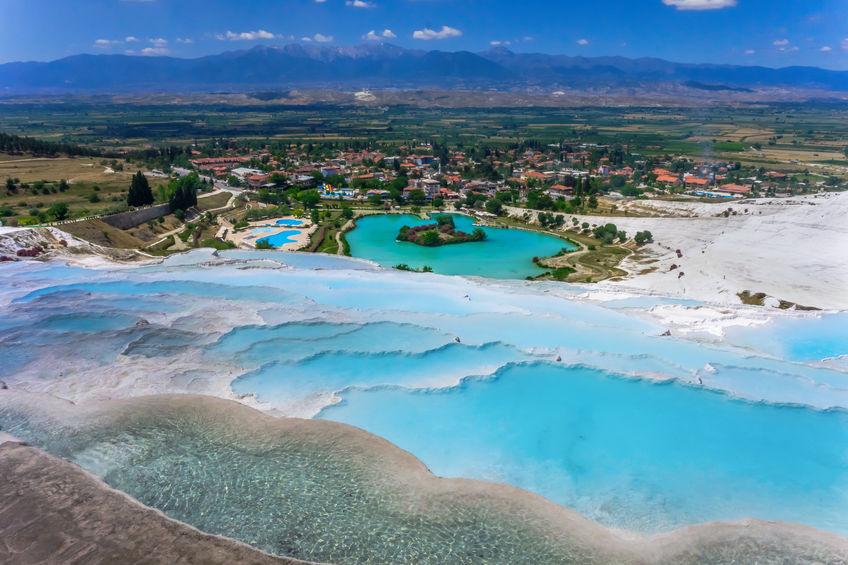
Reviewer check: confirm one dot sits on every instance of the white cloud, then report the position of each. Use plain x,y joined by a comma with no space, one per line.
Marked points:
784,45
498,43
844,44
104,43
159,42
826,49
700,4
749,51
131,39
428,34
149,51
185,40
582,41
321,38
360,3
245,35
320,1
374,36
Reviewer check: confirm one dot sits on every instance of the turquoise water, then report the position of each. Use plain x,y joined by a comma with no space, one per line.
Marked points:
298,332
802,339
505,254
281,238
289,222
631,454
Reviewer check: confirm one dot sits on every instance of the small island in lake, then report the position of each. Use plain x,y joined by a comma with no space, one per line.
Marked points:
443,232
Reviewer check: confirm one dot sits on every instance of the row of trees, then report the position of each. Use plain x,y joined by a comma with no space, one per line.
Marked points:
16,144
180,193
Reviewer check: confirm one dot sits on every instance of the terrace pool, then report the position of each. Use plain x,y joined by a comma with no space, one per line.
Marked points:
587,404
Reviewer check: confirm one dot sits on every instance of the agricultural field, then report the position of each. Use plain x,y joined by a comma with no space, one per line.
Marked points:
791,136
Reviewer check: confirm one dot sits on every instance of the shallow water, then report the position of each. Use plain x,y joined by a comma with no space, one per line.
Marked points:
627,453
551,404
505,254
311,494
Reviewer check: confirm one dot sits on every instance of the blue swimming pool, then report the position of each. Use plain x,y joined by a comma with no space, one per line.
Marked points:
289,222
281,238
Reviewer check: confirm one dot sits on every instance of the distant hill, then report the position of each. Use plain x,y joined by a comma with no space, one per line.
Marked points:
384,65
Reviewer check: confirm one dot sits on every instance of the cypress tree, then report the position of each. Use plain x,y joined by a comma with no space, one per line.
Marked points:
140,193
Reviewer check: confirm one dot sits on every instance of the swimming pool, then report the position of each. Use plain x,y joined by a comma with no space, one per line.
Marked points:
289,222
281,238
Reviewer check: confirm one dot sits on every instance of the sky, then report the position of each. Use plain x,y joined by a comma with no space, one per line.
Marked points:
773,33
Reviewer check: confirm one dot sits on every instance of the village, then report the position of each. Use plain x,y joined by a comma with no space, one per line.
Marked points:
556,177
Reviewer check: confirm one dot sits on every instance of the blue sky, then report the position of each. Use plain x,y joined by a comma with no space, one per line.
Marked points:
766,32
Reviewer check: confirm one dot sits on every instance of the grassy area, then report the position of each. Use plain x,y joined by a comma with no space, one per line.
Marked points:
92,187
593,262
212,202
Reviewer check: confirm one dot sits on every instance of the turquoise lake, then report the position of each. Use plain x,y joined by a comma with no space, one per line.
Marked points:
505,254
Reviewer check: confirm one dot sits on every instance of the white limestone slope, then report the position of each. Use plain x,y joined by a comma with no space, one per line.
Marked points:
793,249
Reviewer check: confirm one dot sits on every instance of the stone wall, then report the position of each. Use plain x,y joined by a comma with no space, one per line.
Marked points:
126,220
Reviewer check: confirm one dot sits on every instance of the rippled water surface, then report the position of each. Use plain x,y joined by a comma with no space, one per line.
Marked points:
587,404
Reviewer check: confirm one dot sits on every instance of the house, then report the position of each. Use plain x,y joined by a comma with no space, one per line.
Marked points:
447,194
302,180
735,189
244,172
696,182
668,179
429,186
255,181
559,191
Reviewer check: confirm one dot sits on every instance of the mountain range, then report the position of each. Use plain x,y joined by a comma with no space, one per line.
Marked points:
384,66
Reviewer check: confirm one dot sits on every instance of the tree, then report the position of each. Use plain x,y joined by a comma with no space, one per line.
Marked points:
139,193
429,238
347,212
59,211
10,185
643,237
494,206
417,197
183,192
309,198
